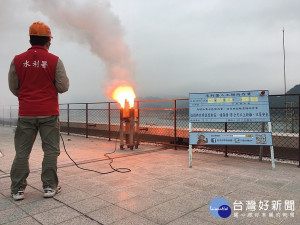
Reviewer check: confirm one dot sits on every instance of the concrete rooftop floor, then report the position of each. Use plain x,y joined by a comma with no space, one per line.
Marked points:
160,189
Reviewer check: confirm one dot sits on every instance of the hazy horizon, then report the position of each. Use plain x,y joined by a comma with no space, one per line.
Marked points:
164,49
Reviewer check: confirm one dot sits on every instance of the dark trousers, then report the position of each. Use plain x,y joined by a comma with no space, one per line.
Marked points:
25,136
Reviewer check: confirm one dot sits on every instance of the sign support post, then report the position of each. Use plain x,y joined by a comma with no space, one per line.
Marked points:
190,148
271,147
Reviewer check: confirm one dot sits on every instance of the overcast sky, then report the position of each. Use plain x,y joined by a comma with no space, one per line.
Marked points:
173,47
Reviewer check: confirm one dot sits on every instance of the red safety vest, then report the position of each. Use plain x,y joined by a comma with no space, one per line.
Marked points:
36,72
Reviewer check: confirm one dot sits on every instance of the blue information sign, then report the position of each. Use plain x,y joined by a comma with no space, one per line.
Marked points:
230,138
238,106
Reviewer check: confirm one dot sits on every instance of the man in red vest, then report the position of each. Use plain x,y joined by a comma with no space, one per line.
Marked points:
36,77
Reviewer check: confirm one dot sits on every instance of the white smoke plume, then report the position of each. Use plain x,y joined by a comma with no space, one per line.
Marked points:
93,22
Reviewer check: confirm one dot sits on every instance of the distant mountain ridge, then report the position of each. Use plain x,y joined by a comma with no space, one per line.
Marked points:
294,90
275,101
283,101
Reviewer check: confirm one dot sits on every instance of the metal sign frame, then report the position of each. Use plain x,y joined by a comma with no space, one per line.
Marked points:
231,138
237,106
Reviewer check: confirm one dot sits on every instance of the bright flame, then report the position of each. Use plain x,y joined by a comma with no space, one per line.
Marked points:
123,93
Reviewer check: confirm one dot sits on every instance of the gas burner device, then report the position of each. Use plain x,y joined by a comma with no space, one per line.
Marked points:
129,127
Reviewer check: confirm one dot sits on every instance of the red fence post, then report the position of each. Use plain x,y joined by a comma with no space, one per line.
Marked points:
175,125
87,120
68,113
299,130
109,129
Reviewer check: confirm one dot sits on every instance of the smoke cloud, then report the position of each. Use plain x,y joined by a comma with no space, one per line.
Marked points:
92,22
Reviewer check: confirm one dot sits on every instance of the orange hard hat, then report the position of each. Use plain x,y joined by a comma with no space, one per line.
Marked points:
40,29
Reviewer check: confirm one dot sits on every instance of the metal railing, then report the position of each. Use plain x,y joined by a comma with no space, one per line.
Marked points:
166,122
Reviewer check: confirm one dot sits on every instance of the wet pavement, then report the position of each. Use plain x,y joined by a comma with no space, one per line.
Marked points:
160,189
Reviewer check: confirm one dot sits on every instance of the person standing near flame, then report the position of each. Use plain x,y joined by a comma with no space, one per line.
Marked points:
36,77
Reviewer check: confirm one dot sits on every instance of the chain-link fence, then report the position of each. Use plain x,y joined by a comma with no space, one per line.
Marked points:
9,115
167,122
